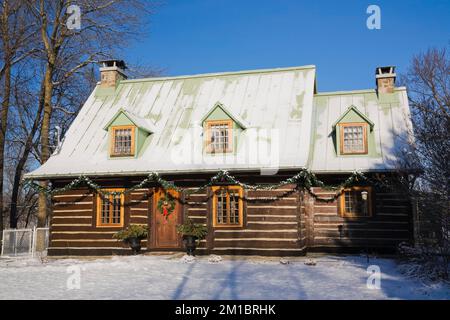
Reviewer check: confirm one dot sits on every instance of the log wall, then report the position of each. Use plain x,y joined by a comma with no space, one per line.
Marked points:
271,225
196,207
285,221
390,224
73,228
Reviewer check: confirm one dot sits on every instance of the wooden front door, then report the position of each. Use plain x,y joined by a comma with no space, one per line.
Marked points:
164,226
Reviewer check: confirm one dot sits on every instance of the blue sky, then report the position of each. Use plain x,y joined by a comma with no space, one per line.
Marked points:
200,36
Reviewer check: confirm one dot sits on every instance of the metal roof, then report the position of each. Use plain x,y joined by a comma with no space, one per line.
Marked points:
284,125
391,120
278,103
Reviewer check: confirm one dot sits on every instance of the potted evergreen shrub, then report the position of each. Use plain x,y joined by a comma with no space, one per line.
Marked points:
191,232
132,236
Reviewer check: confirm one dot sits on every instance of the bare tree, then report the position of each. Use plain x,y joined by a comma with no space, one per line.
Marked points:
106,26
16,41
46,74
428,81
26,115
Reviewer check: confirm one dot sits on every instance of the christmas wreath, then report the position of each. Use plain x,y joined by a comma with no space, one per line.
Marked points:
166,205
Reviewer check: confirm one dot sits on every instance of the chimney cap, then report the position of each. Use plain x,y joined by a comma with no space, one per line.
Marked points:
386,70
113,63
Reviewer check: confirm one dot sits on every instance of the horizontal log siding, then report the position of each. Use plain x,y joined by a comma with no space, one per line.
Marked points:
138,205
272,225
196,208
284,221
389,224
73,224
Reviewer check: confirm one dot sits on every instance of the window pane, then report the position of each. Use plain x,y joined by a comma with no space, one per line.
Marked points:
105,210
222,207
110,209
234,207
116,209
353,139
227,207
354,204
219,137
122,141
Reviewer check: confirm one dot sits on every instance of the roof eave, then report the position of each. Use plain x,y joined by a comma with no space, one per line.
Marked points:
209,171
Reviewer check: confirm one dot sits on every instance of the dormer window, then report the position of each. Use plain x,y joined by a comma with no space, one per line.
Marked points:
222,129
122,141
219,136
354,134
353,138
128,134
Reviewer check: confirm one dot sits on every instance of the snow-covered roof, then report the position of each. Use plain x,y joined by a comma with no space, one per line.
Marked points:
284,125
277,103
390,122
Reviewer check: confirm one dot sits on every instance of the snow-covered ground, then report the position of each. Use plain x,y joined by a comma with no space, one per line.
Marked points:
171,277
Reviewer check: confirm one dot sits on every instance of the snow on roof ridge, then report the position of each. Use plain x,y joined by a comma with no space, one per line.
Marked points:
215,74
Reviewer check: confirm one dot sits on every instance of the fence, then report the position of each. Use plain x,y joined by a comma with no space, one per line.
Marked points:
24,242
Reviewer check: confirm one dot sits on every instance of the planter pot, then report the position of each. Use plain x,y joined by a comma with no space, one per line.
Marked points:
135,244
190,242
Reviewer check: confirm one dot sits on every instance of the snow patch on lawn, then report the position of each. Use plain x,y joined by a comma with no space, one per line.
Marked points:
169,277
187,259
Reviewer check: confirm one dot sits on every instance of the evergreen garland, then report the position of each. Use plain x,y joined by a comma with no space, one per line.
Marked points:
304,179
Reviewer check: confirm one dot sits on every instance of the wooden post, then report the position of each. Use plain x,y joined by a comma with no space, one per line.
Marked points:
299,215
309,211
209,223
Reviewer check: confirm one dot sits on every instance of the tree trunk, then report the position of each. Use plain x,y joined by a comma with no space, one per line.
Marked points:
23,159
45,133
5,104
3,127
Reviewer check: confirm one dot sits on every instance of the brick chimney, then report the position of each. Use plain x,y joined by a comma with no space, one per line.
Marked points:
385,79
111,72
